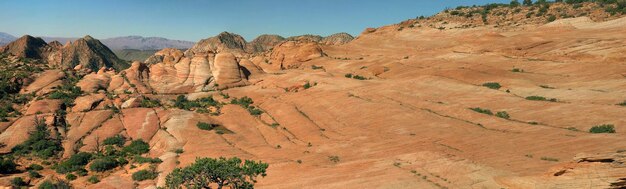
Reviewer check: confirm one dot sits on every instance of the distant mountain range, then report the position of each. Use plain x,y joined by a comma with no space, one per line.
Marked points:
6,38
118,43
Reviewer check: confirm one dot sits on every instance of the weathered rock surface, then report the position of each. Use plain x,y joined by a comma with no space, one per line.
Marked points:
291,54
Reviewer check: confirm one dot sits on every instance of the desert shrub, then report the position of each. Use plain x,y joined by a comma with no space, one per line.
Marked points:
140,159
549,159
551,18
358,77
137,147
179,151
70,176
246,102
317,67
348,75
605,128
232,173
144,175
93,179
74,163
34,174
482,111
492,85
7,166
205,126
622,104
181,102
503,114
117,140
307,85
333,159
39,143
18,182
540,98
103,164
149,103
58,185
35,167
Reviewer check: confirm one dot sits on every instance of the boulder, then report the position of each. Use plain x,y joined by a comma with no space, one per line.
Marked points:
227,72
291,54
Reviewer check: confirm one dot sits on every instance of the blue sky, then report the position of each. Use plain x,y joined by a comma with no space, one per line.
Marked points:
198,19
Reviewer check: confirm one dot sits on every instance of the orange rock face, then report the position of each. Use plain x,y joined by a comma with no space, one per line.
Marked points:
291,54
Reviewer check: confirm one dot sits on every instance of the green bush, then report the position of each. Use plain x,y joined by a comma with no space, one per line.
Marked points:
93,179
492,85
551,18
348,75
359,77
622,104
140,159
103,164
149,103
181,102
482,111
137,147
74,163
39,142
517,70
70,176
246,102
35,167
144,175
205,126
18,182
7,166
503,114
540,98
117,140
206,172
34,174
59,185
606,128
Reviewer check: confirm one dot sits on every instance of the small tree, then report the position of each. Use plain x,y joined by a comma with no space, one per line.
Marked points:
221,172
514,3
528,2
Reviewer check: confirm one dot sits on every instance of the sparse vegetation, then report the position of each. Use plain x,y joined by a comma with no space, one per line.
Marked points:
7,165
605,128
40,142
149,103
540,98
206,126
334,159
103,164
622,104
492,85
246,102
93,179
74,163
144,175
549,159
137,147
200,105
482,111
503,115
117,140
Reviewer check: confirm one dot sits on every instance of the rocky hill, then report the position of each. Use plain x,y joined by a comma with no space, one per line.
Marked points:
86,52
537,105
28,47
264,43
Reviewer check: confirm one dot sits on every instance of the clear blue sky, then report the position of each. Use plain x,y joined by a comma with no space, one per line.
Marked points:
198,19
